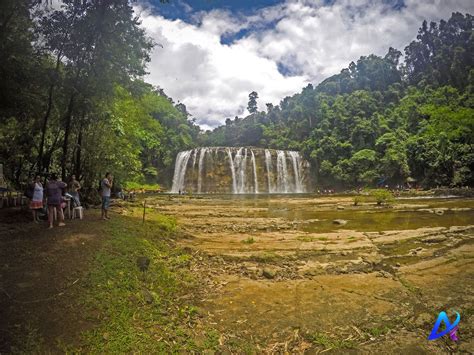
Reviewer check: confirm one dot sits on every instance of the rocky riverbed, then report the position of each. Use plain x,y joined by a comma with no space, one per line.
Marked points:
305,273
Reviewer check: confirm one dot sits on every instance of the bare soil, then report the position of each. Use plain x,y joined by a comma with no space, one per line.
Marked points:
39,271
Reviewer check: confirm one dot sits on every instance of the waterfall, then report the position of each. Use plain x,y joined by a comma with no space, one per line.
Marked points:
180,170
240,176
254,165
206,170
202,154
244,173
295,157
282,172
232,171
195,151
268,165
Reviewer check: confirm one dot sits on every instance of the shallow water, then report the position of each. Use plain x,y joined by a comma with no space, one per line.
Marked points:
321,211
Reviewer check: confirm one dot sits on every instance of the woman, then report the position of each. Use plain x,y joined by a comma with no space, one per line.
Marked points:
54,194
36,202
74,187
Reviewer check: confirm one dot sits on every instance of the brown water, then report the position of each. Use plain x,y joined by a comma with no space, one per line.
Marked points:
405,213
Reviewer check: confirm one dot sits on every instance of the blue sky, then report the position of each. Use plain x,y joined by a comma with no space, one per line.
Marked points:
214,53
183,9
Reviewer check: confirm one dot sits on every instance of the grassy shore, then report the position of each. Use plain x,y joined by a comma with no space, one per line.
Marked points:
118,308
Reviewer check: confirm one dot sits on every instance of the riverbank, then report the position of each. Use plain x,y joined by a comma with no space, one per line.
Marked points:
79,288
255,274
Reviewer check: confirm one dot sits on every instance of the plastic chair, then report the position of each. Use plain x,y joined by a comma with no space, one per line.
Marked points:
77,212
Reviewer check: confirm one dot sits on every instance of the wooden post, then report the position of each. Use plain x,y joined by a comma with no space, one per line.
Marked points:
144,210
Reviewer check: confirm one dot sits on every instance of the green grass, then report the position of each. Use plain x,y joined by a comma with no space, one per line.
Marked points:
327,342
378,331
249,240
304,238
117,295
139,186
265,257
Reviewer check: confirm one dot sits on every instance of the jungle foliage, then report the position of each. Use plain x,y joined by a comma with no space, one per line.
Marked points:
72,99
380,121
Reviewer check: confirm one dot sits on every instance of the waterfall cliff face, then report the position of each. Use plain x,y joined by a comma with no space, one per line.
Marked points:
240,170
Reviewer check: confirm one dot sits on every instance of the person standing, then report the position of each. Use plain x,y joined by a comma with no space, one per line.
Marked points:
36,202
106,188
54,194
74,187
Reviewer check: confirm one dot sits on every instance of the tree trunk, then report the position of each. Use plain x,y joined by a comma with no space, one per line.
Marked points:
67,131
77,168
48,113
45,127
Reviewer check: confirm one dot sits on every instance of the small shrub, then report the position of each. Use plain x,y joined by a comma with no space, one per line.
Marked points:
382,196
249,240
357,200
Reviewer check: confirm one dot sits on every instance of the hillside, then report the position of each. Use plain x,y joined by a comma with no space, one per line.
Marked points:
381,120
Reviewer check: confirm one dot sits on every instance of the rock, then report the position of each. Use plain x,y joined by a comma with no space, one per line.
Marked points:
424,318
340,207
398,265
344,253
385,274
435,239
439,212
340,222
269,273
373,259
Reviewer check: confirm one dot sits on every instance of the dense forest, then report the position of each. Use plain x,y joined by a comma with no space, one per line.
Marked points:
380,120
73,101
72,98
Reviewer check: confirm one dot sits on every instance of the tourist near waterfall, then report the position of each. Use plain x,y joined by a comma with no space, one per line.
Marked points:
106,190
54,189
36,203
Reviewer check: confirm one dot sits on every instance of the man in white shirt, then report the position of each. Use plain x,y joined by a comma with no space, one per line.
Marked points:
106,187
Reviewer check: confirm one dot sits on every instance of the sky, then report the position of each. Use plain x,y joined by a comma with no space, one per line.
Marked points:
211,54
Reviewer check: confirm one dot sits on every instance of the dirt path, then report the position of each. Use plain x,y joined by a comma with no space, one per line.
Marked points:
39,269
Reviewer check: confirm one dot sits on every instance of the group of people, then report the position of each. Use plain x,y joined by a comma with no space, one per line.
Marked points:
53,192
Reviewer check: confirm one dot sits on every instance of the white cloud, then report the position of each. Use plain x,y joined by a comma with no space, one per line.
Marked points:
309,39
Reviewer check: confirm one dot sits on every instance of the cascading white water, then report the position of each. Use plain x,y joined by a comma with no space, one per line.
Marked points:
180,170
202,154
255,179
240,176
295,157
195,151
243,169
232,170
282,172
286,171
268,165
